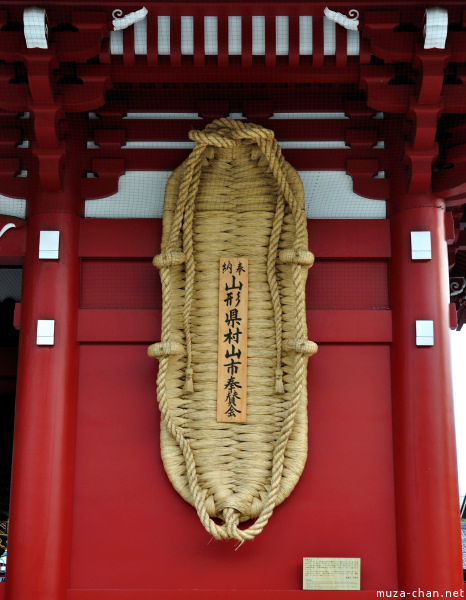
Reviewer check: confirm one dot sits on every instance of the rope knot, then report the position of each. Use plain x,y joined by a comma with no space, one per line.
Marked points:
279,387
188,382
167,348
231,519
297,256
167,259
305,347
228,133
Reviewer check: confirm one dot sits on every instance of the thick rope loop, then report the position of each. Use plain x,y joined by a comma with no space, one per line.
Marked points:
227,133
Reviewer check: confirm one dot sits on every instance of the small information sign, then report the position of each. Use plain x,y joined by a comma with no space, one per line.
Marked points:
232,382
331,573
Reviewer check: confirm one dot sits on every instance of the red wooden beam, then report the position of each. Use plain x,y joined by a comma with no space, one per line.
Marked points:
138,238
461,241
246,40
326,72
305,98
393,46
361,133
144,326
128,47
305,159
73,46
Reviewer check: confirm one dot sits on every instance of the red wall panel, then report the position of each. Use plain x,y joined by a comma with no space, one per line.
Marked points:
132,530
331,284
348,285
120,284
138,326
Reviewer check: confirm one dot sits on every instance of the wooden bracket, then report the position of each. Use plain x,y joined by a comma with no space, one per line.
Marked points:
108,172
425,110
365,184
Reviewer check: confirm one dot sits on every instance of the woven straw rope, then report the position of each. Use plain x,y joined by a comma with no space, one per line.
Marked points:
235,195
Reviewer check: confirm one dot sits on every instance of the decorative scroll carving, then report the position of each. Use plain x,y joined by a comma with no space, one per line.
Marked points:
120,22
458,298
457,286
351,22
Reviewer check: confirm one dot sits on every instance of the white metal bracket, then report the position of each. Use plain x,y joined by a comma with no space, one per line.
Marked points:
49,242
421,245
45,332
424,333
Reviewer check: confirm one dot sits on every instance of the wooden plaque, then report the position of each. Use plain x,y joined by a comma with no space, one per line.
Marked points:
232,382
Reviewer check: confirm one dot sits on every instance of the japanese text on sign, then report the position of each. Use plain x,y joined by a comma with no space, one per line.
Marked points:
232,387
331,573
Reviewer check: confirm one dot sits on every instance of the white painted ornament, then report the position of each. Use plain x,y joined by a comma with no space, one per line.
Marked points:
6,227
435,27
35,27
351,22
123,22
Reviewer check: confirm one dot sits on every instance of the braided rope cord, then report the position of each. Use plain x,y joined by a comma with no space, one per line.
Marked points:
226,133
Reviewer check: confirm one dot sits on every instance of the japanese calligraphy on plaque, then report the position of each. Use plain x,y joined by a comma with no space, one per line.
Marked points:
232,382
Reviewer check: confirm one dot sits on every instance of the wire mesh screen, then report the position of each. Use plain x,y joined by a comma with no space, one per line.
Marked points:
160,138
140,196
331,285
348,285
12,207
328,195
10,283
130,284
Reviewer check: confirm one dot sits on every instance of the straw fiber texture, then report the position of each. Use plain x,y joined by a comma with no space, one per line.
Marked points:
235,195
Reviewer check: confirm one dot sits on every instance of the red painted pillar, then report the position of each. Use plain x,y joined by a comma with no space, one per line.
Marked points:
44,442
426,488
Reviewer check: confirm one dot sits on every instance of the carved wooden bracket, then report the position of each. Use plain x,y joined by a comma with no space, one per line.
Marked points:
46,110
365,184
105,182
47,83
